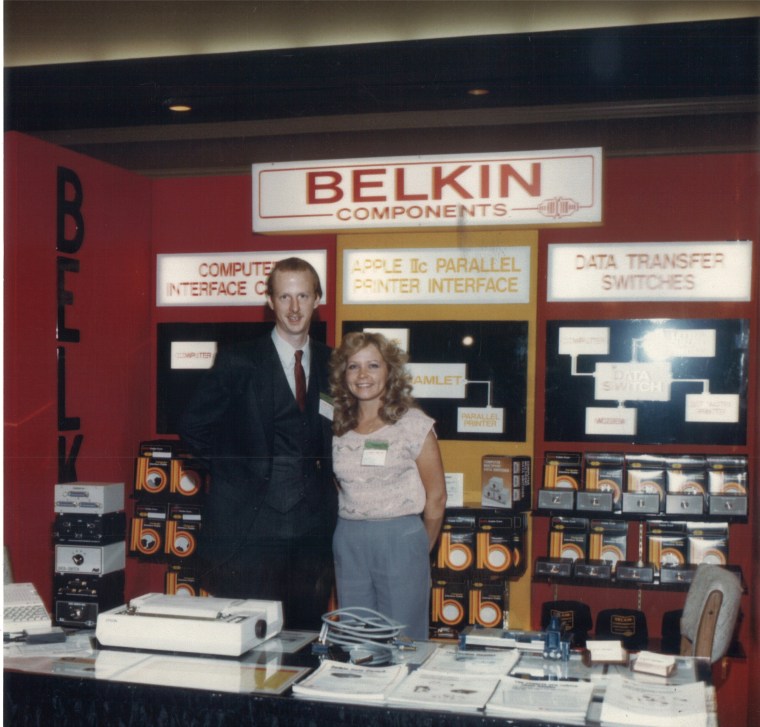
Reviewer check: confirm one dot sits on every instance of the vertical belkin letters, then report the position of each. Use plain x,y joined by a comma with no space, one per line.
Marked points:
69,239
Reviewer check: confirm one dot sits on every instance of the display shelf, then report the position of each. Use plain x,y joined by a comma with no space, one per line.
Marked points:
684,507
655,585
640,517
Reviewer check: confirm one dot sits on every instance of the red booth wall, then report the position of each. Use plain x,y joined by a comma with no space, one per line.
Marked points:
98,393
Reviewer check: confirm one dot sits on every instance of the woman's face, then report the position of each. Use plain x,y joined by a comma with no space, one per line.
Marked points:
367,374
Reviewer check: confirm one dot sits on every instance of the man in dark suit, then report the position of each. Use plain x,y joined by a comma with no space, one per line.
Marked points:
268,522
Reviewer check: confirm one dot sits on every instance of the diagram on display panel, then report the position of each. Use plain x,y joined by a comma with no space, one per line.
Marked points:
470,376
648,381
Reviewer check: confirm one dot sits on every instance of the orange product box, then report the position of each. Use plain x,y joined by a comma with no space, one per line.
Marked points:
448,608
568,538
708,542
562,470
148,532
727,475
499,544
667,544
686,475
608,540
487,604
604,472
182,528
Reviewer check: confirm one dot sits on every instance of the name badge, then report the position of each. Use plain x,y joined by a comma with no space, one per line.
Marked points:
374,453
326,406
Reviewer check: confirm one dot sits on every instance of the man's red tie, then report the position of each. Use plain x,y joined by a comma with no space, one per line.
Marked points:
300,382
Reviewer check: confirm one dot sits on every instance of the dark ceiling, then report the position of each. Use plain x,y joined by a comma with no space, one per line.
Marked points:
652,62
709,66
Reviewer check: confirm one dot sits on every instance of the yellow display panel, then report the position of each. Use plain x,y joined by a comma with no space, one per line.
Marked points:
458,276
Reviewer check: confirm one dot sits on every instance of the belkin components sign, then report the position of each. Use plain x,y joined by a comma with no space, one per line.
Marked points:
528,189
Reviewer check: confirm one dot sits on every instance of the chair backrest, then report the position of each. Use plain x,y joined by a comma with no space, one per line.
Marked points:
710,612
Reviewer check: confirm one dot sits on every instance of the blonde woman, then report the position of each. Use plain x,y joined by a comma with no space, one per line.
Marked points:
392,492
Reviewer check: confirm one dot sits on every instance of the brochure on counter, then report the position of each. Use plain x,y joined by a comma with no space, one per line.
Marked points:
658,705
454,679
452,660
566,702
336,681
424,689
450,679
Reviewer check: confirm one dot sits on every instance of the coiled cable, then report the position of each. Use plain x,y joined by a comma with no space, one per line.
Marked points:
365,633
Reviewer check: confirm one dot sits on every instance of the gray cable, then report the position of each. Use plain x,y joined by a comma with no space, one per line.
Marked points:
360,627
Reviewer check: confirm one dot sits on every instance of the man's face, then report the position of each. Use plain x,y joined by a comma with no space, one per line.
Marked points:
294,302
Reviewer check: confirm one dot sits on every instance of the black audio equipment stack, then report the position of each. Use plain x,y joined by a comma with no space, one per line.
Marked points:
89,534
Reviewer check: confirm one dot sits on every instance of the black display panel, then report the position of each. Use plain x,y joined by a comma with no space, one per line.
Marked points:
641,381
175,385
494,355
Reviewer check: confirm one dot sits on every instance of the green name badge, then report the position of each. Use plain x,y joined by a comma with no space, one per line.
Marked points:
374,453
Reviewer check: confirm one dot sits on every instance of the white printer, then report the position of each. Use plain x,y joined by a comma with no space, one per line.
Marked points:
190,624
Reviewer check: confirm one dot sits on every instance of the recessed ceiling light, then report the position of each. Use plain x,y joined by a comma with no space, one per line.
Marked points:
180,107
478,92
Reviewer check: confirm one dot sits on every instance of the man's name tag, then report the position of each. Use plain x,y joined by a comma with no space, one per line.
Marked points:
374,453
326,406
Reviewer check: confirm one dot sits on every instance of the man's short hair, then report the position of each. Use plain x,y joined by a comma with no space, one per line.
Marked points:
294,265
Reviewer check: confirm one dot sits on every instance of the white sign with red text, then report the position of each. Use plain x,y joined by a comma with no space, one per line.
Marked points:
650,271
193,354
537,188
609,421
225,278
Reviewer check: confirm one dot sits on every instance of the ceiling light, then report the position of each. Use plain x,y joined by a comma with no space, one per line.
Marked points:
478,92
178,104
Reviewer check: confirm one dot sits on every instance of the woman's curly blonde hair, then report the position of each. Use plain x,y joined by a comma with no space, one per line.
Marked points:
398,398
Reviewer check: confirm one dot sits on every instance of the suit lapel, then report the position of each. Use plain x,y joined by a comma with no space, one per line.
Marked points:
266,370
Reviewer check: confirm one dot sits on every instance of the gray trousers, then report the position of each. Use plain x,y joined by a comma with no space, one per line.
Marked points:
384,565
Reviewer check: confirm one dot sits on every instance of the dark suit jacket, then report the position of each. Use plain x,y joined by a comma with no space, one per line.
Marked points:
229,424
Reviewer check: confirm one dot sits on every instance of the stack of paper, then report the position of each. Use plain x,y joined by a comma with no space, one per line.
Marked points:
450,692
452,660
565,702
657,705
455,679
650,662
335,681
606,652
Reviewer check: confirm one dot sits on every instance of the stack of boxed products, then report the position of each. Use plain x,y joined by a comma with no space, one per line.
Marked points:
169,491
684,502
480,549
